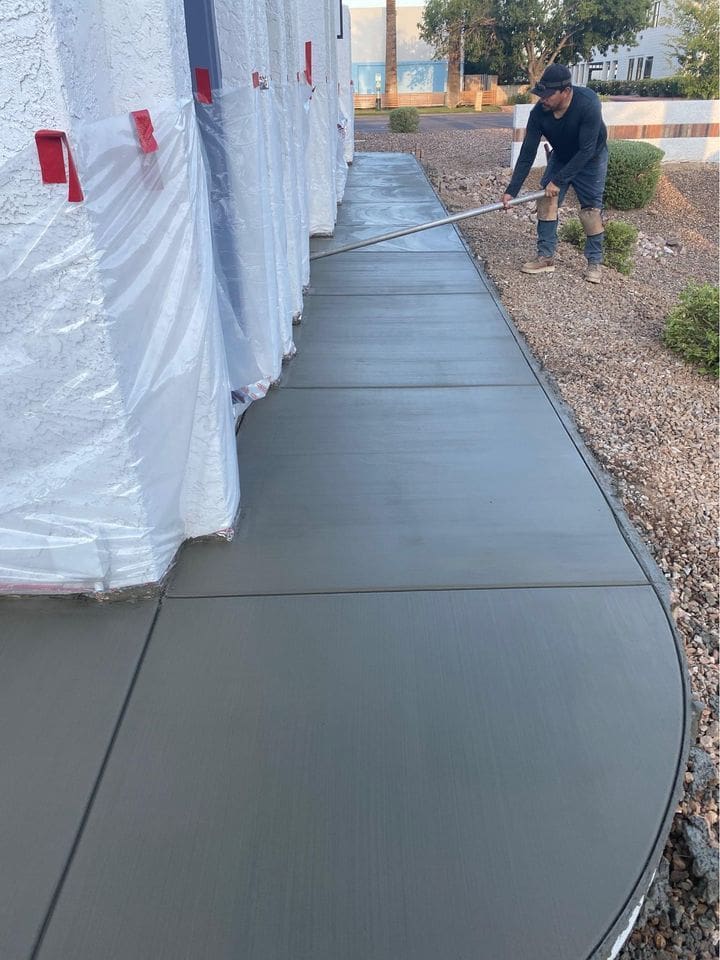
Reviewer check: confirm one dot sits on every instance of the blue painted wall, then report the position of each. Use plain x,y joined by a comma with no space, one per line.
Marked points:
414,76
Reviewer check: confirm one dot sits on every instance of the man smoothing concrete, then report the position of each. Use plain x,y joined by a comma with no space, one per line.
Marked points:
570,119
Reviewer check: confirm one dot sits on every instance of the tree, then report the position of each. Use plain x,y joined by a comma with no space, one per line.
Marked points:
536,33
456,29
391,90
696,47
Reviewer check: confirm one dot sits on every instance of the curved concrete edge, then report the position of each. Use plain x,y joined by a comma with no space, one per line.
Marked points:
621,928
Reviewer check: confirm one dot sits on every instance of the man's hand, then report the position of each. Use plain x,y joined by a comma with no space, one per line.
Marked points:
552,190
505,200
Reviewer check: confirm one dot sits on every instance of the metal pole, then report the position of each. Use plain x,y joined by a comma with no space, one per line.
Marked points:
463,215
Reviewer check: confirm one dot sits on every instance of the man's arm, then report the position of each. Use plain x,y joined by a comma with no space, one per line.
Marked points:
531,142
587,144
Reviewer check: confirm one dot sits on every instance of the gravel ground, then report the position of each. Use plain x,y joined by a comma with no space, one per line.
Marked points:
651,421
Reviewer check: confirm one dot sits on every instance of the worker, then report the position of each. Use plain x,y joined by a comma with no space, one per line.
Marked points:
570,119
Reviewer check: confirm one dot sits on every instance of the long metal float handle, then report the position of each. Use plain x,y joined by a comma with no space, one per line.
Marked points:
463,215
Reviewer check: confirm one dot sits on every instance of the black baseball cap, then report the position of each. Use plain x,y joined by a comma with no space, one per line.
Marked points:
555,77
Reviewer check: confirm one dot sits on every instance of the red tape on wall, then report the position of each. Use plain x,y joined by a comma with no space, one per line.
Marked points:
52,162
144,128
308,62
202,81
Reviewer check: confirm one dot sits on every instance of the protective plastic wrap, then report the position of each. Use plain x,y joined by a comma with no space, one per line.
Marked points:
283,49
345,88
118,438
303,99
257,221
318,25
335,71
247,264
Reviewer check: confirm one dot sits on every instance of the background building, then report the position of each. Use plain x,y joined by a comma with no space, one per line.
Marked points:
650,56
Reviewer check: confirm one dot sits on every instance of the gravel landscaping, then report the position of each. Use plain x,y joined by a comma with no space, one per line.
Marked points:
650,419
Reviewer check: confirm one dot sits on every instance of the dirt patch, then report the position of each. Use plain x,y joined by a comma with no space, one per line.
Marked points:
651,421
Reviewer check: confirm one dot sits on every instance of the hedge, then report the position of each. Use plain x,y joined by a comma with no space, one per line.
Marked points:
662,87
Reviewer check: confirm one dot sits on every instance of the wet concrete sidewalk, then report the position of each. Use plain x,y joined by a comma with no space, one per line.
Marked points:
426,705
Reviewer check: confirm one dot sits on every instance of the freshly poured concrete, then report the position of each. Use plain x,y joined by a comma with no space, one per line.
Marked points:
389,776
387,217
438,238
65,670
396,273
410,489
411,341
386,768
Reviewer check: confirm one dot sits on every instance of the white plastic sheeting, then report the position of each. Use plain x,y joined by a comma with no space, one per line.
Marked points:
129,318
246,257
259,223
118,431
290,95
319,25
345,88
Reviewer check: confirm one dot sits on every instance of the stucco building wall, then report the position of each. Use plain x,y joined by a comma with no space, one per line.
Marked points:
97,492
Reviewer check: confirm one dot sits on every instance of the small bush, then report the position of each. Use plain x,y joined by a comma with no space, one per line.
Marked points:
657,87
520,98
572,232
691,329
404,120
618,245
633,174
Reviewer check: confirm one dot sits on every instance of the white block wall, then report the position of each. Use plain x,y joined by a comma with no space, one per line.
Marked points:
648,113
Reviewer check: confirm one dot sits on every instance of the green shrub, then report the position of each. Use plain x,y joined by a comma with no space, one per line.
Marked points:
618,245
691,329
520,98
659,87
572,232
633,174
404,120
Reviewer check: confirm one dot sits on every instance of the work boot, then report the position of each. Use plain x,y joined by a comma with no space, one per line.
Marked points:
541,265
593,273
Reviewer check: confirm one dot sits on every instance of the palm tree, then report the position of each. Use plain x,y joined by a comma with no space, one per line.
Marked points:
391,91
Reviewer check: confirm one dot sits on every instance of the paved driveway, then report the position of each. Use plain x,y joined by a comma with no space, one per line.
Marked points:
439,121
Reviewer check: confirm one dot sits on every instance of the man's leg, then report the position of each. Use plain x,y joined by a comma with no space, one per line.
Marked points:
589,185
547,227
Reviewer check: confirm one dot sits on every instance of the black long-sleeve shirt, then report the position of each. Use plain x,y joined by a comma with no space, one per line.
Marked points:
576,138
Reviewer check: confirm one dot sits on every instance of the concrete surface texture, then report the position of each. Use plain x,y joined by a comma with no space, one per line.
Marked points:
427,703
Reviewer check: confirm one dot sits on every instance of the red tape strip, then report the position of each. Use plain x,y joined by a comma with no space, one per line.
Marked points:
202,81
52,162
308,61
144,127
256,79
